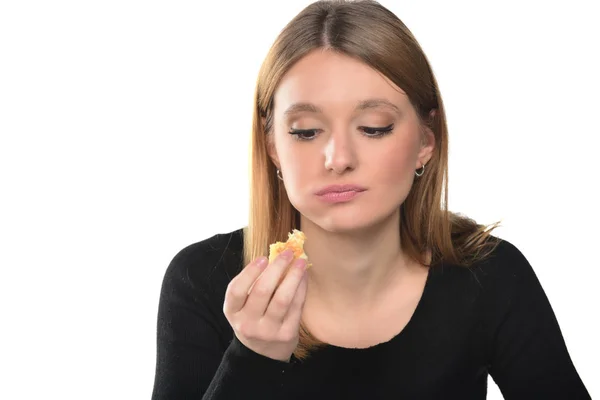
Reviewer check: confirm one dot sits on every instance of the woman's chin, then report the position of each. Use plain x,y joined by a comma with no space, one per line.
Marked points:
350,221
341,224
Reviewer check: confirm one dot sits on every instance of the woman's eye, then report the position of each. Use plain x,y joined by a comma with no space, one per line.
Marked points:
303,134
377,132
374,132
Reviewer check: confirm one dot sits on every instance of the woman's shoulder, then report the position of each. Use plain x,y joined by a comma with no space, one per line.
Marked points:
504,266
502,281
209,264
504,261
493,278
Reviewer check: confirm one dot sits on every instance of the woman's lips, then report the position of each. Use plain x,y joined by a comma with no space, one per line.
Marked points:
340,188
339,197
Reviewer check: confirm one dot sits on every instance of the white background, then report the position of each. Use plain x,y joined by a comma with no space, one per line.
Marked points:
124,129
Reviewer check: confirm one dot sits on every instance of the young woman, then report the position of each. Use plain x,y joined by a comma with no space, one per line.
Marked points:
403,299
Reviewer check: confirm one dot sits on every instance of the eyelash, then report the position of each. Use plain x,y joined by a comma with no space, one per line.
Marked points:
375,133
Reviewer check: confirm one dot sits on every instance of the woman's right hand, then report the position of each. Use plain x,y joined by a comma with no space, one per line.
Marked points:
264,303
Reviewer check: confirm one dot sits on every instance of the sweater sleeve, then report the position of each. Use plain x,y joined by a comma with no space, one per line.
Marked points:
194,360
529,357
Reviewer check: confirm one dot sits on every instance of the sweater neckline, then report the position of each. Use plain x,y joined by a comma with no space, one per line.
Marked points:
414,319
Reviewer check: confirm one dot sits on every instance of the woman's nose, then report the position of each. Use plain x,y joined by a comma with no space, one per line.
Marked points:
340,154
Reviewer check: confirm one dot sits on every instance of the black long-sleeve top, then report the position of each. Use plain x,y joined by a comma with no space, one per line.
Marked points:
492,318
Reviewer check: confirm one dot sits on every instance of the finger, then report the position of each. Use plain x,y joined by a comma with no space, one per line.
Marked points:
285,293
267,283
292,319
237,290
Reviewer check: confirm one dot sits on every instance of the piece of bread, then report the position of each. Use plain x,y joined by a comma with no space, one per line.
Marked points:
295,242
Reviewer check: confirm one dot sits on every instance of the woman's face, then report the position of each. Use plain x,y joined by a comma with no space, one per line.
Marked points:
337,121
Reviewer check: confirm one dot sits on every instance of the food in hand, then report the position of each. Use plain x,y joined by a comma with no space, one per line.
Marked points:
295,242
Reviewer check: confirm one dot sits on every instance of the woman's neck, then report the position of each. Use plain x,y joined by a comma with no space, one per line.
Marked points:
352,271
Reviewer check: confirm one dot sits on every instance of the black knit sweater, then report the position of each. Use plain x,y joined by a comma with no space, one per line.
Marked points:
493,318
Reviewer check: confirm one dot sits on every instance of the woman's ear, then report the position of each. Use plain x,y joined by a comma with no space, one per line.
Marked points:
429,136
428,139
271,150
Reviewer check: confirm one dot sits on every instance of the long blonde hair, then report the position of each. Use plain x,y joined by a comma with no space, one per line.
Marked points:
369,32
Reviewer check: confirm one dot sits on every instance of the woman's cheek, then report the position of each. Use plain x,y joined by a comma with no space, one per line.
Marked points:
298,185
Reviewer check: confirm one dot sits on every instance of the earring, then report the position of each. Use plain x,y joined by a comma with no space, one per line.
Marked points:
422,171
279,174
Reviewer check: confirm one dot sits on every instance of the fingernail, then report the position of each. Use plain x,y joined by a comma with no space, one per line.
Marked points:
301,263
287,254
262,262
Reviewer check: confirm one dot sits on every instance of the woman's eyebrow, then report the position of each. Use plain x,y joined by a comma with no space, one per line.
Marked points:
377,103
361,106
302,107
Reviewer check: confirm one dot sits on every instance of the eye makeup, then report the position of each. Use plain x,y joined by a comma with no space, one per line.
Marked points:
372,132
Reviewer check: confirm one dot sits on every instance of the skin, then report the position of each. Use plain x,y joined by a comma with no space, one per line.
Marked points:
361,288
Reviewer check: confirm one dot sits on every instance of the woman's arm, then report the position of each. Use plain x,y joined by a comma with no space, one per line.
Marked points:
192,360
529,357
